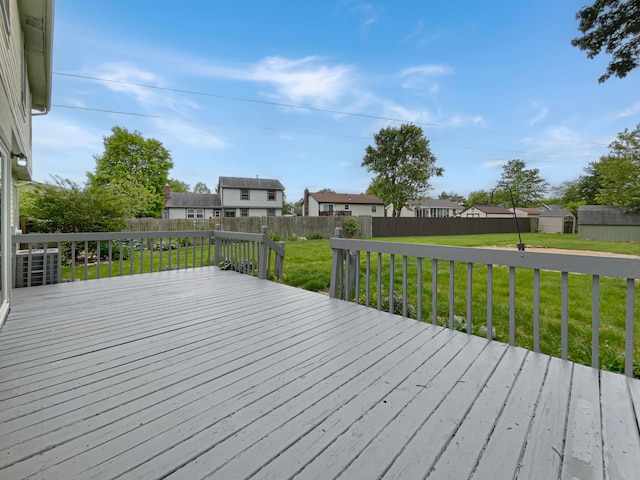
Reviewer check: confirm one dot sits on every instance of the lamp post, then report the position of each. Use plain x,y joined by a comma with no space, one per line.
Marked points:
515,217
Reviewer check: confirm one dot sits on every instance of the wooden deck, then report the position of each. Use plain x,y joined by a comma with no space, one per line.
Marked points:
204,373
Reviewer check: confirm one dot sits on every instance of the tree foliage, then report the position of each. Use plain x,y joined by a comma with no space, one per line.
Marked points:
177,186
201,187
527,186
128,156
453,196
478,197
63,206
403,165
326,190
612,26
618,172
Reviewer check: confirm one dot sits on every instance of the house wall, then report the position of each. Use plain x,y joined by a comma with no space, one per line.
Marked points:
405,212
181,212
15,119
314,207
610,233
231,197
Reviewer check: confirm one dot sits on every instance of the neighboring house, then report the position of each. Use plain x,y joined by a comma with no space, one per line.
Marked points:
191,205
523,212
557,221
26,32
608,223
348,204
486,211
429,208
250,197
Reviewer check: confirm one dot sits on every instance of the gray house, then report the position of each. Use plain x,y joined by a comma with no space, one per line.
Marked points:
607,223
191,205
250,197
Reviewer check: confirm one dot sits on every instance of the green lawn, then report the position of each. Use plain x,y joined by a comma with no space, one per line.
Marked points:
308,265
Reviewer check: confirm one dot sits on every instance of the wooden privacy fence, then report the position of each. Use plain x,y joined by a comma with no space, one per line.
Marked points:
390,268
284,227
420,227
107,254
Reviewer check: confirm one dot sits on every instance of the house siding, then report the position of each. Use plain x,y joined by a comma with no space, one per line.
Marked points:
15,121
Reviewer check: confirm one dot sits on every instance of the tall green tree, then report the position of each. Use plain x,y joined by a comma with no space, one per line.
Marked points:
403,165
478,197
527,186
619,172
326,190
131,157
177,186
453,196
612,26
201,187
63,206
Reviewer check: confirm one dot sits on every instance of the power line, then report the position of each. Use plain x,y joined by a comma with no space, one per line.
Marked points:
313,109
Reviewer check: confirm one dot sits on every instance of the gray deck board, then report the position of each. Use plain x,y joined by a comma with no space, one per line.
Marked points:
202,373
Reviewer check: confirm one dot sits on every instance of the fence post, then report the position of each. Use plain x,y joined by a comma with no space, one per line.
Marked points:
336,268
263,252
217,245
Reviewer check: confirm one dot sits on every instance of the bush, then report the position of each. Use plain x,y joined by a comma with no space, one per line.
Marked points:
293,238
315,236
274,236
351,226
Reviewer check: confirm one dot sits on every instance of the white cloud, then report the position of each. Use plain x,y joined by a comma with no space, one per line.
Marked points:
541,115
65,137
189,135
461,120
421,77
494,164
631,110
415,32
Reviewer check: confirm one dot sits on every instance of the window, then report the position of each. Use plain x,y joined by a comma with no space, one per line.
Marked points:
244,194
271,212
230,213
244,212
216,214
346,207
327,208
373,208
199,213
191,213
271,195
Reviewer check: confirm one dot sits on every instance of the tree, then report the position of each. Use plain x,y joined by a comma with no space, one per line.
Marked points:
403,164
612,26
136,199
619,172
201,187
129,156
454,197
63,206
326,190
527,187
177,186
479,197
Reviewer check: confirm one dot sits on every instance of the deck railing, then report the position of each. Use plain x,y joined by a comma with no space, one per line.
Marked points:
383,282
42,258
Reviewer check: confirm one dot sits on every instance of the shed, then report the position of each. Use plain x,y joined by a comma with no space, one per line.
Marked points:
557,221
608,223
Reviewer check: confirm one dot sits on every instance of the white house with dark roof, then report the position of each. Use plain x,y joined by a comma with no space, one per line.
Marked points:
236,197
429,208
486,211
317,204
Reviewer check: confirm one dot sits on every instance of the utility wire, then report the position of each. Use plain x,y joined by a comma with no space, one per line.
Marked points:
313,109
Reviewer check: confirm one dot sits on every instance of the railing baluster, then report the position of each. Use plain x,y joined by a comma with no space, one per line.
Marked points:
86,259
379,281
392,280
29,264
357,274
469,296
151,249
628,356
110,258
194,251
434,291
490,302
419,289
512,306
160,254
368,279
595,321
451,294
405,292
122,247
536,310
347,275
202,251
73,260
98,250
178,255
564,334
170,260
132,254
142,255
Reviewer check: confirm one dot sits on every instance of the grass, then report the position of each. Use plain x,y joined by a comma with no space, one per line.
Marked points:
308,265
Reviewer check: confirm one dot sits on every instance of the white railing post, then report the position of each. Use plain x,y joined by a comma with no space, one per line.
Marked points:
336,268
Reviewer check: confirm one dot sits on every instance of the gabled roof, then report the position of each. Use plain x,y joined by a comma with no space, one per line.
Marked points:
559,212
605,215
530,211
435,203
491,209
254,183
194,200
351,198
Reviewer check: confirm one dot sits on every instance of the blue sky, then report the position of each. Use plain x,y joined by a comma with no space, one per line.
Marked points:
250,88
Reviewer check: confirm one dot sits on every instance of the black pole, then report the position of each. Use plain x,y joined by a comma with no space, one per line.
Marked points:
515,217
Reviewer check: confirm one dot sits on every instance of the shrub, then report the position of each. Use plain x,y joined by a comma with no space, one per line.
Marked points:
274,236
351,226
315,236
293,238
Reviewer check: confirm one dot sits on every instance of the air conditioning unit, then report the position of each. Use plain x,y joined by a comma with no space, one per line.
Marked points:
43,268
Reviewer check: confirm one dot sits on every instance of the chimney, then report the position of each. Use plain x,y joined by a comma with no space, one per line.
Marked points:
167,193
305,211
